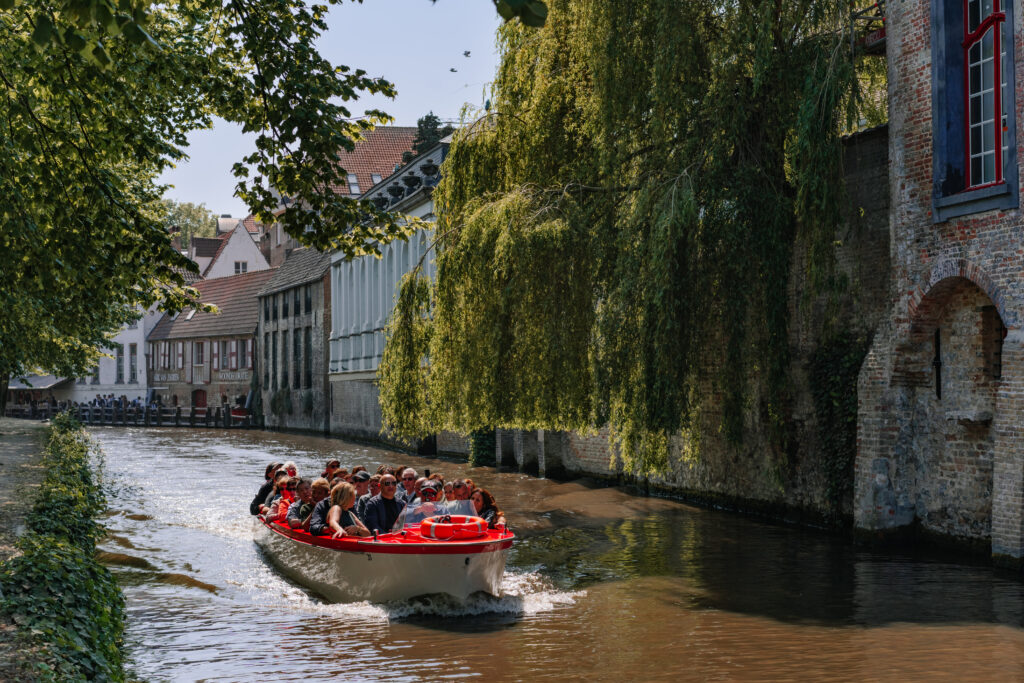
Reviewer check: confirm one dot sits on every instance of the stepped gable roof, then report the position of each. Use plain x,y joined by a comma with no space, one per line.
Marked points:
302,266
205,246
235,296
378,152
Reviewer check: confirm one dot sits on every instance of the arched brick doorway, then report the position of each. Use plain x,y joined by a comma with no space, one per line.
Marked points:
198,398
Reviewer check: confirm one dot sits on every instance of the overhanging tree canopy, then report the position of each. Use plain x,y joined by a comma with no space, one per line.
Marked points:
615,238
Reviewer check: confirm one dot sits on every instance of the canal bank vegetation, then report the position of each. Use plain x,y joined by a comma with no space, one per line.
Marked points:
67,609
617,234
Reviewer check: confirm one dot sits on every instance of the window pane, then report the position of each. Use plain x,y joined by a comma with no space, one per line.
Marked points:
986,45
975,53
976,108
987,106
972,15
975,138
988,141
990,168
976,171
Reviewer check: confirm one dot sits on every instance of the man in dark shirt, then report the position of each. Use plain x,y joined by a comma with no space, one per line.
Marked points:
382,510
318,518
268,486
361,480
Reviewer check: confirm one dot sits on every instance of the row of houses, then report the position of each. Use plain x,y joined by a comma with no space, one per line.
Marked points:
298,335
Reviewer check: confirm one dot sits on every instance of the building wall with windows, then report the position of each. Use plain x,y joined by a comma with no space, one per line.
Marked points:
363,293
124,373
238,254
295,319
198,359
940,394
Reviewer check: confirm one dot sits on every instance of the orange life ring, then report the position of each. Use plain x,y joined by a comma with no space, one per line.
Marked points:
452,527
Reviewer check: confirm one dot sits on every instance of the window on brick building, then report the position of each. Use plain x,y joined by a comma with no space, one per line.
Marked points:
284,359
273,305
308,358
241,267
309,298
266,308
119,370
296,301
297,357
284,305
266,360
973,118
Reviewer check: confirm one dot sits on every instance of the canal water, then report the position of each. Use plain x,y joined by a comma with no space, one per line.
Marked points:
601,584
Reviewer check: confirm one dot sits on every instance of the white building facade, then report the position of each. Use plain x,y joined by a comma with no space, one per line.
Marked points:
363,294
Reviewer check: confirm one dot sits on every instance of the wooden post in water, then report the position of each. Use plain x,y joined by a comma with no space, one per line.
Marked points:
177,416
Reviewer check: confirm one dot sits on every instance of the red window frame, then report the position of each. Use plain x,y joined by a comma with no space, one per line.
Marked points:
995,21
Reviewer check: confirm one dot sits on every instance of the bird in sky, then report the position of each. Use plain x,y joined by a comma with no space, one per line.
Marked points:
466,53
453,70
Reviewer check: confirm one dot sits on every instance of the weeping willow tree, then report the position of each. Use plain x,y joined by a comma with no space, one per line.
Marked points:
616,234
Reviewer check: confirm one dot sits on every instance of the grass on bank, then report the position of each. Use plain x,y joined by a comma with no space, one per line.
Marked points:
67,609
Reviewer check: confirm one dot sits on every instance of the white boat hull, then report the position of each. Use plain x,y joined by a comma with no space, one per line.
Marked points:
350,576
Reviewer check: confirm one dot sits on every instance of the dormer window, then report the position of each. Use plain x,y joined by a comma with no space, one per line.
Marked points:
353,184
376,178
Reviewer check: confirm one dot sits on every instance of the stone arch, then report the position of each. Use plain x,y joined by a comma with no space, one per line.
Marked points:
925,303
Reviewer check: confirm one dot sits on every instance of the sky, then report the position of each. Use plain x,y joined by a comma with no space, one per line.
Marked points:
412,43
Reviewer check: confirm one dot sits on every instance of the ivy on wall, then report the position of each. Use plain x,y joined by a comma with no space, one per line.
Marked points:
615,235
834,367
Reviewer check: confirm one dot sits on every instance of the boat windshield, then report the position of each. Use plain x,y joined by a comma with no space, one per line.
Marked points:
414,513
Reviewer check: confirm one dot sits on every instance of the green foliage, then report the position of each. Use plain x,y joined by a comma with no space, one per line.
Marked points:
67,607
482,444
429,132
190,219
616,235
833,377
97,98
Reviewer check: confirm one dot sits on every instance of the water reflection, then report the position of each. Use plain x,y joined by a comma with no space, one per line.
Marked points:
601,583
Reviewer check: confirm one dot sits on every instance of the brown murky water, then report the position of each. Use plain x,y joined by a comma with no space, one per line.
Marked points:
601,585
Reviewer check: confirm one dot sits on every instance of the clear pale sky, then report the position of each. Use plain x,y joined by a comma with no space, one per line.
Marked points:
412,43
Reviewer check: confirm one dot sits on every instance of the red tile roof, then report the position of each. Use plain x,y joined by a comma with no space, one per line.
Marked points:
251,224
378,152
235,296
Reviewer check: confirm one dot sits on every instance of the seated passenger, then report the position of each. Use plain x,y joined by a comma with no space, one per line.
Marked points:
278,510
317,524
340,516
382,510
407,492
280,477
486,508
300,510
460,489
361,482
330,468
291,469
449,491
268,486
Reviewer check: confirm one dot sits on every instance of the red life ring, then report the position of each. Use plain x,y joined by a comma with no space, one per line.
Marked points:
452,527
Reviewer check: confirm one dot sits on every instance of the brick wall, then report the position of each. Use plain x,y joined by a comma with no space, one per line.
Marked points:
952,464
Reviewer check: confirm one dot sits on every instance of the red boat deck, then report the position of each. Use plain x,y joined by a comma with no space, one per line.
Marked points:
406,542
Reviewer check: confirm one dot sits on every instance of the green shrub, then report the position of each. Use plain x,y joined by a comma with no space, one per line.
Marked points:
68,608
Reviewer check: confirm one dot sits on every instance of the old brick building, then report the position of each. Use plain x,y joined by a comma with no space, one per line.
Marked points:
198,359
941,394
295,320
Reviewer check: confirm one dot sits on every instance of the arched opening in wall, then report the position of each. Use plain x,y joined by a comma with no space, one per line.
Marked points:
198,398
952,366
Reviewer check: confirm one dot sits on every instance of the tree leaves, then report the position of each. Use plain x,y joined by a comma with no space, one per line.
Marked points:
617,232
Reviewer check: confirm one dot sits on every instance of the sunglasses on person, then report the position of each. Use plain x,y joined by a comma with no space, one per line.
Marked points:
460,486
389,483
291,487
408,478
429,493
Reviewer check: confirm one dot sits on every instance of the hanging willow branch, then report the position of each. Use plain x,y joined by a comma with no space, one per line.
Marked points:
618,252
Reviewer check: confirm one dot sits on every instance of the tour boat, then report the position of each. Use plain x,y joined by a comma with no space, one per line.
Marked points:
424,554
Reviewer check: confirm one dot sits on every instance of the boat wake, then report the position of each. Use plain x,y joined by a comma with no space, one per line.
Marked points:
523,593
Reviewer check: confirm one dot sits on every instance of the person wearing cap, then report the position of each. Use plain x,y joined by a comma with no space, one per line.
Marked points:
330,468
361,480
383,509
268,486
